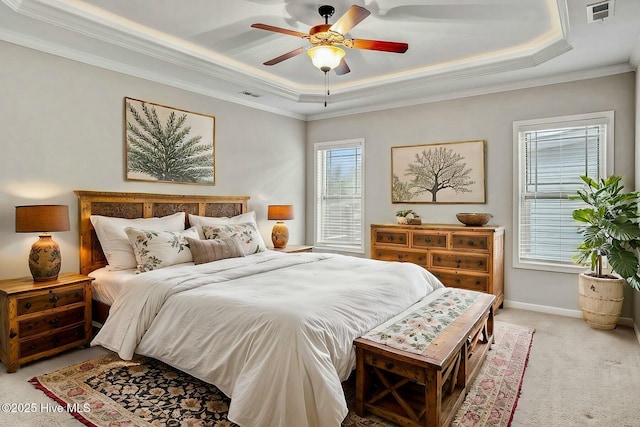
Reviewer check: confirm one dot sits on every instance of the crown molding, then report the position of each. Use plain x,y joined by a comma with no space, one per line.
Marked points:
484,90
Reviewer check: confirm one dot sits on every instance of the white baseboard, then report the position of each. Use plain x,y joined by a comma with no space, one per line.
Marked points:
543,309
624,321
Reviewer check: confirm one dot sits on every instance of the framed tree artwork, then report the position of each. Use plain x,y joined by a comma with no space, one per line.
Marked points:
452,172
166,144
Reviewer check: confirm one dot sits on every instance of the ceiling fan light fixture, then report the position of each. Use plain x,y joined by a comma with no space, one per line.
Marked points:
325,57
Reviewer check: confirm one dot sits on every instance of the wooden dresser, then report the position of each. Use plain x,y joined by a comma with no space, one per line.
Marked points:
460,256
44,318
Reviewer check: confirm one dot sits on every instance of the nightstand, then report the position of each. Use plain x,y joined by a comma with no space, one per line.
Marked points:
290,249
40,319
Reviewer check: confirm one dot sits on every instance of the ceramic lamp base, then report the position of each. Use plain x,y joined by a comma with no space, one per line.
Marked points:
45,259
280,235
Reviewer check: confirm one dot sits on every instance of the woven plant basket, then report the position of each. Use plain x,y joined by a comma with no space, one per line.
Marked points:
600,300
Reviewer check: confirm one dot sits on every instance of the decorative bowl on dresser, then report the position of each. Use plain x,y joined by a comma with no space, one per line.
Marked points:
44,318
472,219
460,256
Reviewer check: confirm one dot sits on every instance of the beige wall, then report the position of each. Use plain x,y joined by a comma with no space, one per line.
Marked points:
488,117
62,129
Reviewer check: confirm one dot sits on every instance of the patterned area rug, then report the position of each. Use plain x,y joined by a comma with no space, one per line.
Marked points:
106,391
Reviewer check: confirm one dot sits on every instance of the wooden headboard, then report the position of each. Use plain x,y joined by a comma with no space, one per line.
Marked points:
142,205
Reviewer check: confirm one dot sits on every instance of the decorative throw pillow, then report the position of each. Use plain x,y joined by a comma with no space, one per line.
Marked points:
114,241
213,250
157,249
250,238
198,221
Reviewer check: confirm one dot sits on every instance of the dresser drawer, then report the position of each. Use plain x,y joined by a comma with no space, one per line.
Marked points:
392,237
429,240
463,281
419,258
33,303
51,341
476,242
34,326
466,261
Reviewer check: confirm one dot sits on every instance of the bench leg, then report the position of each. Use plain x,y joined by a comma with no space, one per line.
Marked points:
362,381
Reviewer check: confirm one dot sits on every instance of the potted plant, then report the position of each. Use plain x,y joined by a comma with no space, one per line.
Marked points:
609,226
408,216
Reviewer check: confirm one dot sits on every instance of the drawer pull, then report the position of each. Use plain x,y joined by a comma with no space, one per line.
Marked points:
389,365
12,334
480,263
477,282
390,238
77,295
27,305
32,347
55,340
470,243
53,299
400,256
457,280
427,240
54,321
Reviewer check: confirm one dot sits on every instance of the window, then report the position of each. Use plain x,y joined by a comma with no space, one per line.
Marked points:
551,155
339,204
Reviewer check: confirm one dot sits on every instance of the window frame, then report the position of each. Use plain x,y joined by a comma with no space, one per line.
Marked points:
606,155
340,144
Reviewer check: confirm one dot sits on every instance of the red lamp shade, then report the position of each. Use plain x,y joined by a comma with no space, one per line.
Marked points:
280,232
44,258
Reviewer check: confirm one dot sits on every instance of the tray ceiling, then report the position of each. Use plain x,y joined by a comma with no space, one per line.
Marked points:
456,47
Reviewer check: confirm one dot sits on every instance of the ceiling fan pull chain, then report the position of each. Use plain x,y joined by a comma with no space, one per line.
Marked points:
326,85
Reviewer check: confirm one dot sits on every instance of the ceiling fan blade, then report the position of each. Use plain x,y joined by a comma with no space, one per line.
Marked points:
279,30
287,55
381,45
350,19
342,68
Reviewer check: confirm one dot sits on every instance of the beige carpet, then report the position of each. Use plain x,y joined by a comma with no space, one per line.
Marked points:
576,377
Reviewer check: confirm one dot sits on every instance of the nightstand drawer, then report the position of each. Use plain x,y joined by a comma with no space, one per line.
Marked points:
51,341
34,303
34,326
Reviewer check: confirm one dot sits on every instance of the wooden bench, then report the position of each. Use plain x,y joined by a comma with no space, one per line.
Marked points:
425,389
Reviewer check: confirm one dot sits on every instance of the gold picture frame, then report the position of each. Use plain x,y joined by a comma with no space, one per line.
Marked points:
450,172
167,144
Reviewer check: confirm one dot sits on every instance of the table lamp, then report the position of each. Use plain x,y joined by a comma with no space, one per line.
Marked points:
280,232
44,258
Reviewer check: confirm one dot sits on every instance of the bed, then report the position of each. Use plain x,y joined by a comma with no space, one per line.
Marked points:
273,331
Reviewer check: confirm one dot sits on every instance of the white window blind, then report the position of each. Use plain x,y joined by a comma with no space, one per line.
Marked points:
553,153
339,204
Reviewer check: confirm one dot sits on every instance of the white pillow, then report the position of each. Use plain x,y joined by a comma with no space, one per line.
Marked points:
198,221
158,249
250,239
114,241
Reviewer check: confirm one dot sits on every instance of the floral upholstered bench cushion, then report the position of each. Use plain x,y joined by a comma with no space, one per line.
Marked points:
416,328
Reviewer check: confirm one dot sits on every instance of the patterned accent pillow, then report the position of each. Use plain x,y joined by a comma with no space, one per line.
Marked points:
114,241
204,251
250,238
157,249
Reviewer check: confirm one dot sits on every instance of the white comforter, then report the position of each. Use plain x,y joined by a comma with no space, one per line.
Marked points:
274,332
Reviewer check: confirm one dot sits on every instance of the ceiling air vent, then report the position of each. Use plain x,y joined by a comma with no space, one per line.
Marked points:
599,11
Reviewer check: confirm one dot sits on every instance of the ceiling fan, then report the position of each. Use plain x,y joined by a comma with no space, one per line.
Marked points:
325,39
